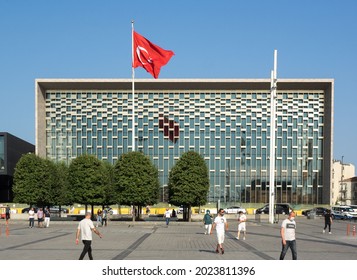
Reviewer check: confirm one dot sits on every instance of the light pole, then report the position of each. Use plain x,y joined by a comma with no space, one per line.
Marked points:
273,87
341,184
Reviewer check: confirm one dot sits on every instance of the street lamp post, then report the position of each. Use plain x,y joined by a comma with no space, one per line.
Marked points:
341,183
273,86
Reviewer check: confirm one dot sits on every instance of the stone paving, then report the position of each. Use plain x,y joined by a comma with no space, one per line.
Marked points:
179,241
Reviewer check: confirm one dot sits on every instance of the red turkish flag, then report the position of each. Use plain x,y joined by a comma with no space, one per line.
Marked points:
149,56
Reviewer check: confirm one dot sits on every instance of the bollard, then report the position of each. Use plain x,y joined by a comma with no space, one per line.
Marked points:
348,229
354,230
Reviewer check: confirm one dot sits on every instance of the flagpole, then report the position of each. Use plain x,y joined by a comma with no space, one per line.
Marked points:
273,86
133,86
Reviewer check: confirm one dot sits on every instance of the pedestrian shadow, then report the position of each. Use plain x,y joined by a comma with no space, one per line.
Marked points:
208,251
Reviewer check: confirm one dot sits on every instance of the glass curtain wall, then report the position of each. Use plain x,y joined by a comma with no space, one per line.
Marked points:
230,129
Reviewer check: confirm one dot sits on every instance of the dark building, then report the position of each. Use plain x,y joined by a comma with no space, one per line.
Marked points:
11,150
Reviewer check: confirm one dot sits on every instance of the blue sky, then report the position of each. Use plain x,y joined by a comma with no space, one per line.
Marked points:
211,39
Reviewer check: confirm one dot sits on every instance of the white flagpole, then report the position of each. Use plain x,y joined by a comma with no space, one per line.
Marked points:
273,86
133,87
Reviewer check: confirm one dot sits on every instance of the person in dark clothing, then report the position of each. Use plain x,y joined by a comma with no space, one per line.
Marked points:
7,214
207,221
328,221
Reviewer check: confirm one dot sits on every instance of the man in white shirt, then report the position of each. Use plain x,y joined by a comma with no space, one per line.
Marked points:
167,216
86,227
221,225
31,217
242,218
287,233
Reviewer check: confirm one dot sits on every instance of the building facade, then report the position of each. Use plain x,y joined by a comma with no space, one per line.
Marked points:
226,121
11,150
341,173
349,191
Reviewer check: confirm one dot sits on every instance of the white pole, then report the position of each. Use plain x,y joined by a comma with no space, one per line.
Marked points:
133,87
273,85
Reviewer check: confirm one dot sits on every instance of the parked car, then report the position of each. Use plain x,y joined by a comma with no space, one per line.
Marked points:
179,210
55,209
319,211
27,209
343,212
280,208
339,215
354,207
234,210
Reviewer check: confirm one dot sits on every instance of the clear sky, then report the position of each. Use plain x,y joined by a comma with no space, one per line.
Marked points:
211,39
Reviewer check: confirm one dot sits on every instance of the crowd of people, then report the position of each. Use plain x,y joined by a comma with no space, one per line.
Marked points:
218,224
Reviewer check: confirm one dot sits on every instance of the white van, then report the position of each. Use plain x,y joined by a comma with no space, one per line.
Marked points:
354,207
343,212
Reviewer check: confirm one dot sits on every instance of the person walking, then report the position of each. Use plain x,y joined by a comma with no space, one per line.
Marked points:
85,229
207,220
167,216
328,221
242,219
47,217
31,218
99,217
40,217
104,217
173,214
287,232
221,225
7,214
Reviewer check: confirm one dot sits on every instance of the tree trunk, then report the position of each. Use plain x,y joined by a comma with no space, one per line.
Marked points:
134,213
189,213
139,212
92,212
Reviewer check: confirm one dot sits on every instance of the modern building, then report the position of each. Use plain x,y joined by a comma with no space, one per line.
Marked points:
341,172
11,150
227,121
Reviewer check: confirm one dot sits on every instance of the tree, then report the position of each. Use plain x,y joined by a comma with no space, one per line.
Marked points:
87,180
62,192
189,181
110,196
34,180
136,180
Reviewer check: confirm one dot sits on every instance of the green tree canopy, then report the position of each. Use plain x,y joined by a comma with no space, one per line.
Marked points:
110,195
136,180
34,180
87,180
189,181
62,191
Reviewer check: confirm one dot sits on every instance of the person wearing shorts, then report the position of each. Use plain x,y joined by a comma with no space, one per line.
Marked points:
40,217
221,225
242,218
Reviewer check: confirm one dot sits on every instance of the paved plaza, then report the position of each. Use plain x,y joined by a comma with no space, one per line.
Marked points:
152,240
